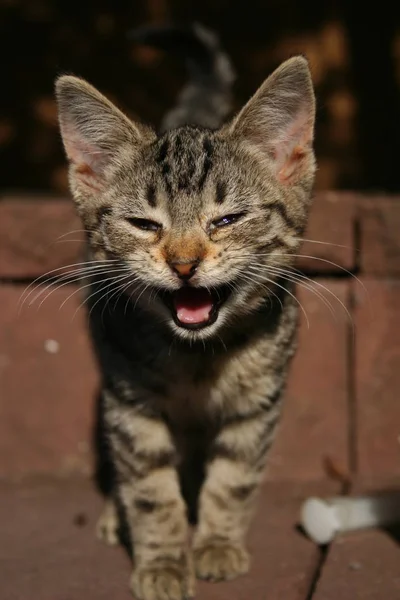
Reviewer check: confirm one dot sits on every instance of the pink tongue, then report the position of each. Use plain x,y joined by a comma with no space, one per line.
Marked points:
192,305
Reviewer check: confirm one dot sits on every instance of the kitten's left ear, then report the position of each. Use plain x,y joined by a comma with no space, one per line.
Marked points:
93,131
278,121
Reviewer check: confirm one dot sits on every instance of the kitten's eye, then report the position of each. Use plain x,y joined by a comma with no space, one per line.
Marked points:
144,224
227,220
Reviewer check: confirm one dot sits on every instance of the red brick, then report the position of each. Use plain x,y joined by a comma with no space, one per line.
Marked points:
361,566
44,555
315,418
30,236
332,229
377,378
46,400
379,236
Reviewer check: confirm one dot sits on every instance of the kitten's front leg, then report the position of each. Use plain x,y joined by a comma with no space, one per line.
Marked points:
234,472
148,488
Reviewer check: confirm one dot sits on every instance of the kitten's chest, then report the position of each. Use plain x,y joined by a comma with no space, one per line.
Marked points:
188,402
209,389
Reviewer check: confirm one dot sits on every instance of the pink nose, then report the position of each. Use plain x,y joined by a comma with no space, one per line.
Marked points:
186,269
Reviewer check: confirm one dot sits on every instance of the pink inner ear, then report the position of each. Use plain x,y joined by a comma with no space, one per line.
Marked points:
85,174
87,158
293,148
293,163
79,151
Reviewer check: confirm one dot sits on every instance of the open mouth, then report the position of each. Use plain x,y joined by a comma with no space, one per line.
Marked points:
196,308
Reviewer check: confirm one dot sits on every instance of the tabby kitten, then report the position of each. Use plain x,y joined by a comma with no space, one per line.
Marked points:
189,236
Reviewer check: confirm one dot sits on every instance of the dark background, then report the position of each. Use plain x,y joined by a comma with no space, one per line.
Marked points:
353,48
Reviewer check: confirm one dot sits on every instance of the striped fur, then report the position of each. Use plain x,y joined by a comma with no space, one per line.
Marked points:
188,415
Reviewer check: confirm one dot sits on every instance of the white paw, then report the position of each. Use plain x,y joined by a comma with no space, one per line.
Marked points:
108,524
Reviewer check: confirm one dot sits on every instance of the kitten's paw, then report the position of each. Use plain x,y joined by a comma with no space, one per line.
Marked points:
108,524
220,561
168,581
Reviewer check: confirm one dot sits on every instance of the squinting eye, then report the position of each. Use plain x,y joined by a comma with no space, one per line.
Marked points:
144,224
227,220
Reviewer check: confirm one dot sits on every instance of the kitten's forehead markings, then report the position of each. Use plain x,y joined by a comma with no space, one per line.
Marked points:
220,192
151,195
161,159
185,158
208,148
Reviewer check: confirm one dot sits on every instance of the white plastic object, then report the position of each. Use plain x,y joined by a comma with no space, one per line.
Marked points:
323,519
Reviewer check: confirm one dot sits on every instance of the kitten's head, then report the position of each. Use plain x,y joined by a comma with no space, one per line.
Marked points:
200,223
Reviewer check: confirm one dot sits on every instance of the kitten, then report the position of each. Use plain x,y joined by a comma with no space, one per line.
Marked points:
189,236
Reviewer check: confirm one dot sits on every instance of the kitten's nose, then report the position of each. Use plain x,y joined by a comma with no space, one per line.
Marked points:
184,269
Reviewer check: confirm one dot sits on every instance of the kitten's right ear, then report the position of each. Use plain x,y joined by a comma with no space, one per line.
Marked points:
278,121
93,130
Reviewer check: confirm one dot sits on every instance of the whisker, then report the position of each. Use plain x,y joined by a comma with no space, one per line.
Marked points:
83,287
64,281
66,241
127,304
119,285
87,298
124,288
233,286
70,233
246,277
222,342
295,277
323,243
290,294
72,276
45,276
320,285
173,341
119,291
110,282
122,285
307,286
330,262
325,260
153,294
140,295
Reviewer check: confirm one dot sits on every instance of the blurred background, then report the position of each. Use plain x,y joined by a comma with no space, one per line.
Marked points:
353,48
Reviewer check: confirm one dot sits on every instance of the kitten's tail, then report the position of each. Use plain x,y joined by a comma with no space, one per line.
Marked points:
206,99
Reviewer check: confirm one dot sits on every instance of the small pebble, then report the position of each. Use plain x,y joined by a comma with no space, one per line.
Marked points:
355,566
51,346
80,520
